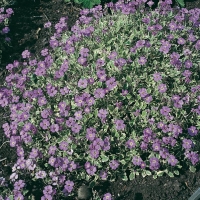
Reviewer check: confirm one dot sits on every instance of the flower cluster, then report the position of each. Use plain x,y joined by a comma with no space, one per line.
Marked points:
4,23
88,110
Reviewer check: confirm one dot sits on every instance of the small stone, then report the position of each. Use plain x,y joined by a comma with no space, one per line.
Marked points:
84,192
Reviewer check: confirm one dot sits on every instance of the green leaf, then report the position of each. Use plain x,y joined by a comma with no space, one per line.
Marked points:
148,172
171,174
111,108
11,197
154,176
46,164
104,158
192,169
128,78
123,162
160,173
124,177
60,139
116,134
148,90
74,146
87,178
137,104
78,1
25,192
34,78
181,3
128,96
99,83
176,172
132,176
144,174
91,184
144,113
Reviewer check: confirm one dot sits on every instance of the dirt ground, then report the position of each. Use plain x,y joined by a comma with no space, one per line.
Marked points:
28,32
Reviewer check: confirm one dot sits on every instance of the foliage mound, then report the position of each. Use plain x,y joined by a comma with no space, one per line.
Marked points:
118,95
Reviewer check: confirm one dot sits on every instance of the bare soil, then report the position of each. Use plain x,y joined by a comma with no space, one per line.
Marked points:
28,32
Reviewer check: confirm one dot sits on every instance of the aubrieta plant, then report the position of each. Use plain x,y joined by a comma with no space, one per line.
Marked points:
119,92
4,29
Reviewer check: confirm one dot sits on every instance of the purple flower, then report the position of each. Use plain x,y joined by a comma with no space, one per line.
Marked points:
162,88
137,160
69,185
9,11
157,77
172,160
91,170
72,166
107,196
52,161
103,175
70,122
45,124
148,98
82,83
48,190
25,54
150,3
130,144
78,115
142,60
197,45
47,25
82,61
181,41
94,153
79,101
111,84
140,43
165,110
144,146
44,52
192,131
53,43
91,133
19,185
52,150
76,128
99,93
5,30
154,163
87,110
187,144
114,164
34,153
143,92
63,146
113,55
14,176
87,165
84,51
156,147
19,196
120,124
40,174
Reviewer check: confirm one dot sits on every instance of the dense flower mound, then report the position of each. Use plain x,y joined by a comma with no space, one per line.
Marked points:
119,92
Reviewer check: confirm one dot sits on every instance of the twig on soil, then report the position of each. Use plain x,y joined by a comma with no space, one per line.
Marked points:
3,159
3,144
187,186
